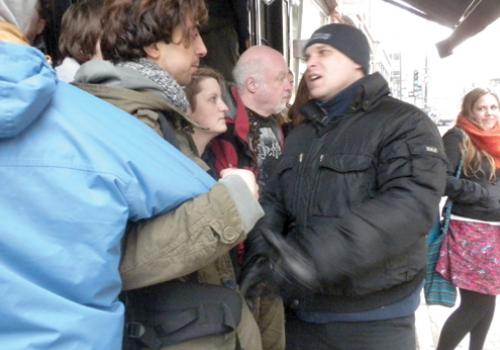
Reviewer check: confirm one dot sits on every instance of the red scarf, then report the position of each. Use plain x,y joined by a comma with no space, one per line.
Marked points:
486,140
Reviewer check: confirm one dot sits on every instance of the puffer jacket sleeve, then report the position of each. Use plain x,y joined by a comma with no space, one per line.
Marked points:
184,240
460,190
410,175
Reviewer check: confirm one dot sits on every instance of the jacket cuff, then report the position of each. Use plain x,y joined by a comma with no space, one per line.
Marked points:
248,207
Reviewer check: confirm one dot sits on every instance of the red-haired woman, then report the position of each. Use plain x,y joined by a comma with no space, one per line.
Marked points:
470,257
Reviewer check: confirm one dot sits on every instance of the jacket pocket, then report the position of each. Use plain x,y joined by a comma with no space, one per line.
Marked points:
404,160
343,180
346,163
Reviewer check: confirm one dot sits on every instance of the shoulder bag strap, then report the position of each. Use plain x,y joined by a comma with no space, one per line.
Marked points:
449,203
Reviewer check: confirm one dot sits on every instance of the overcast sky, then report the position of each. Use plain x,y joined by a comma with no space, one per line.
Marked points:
473,63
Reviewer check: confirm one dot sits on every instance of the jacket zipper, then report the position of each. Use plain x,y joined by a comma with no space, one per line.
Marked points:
298,182
309,160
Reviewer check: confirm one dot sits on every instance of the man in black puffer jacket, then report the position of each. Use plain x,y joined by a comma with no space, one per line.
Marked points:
354,195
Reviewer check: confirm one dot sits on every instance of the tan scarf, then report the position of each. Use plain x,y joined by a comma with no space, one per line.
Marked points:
9,33
486,140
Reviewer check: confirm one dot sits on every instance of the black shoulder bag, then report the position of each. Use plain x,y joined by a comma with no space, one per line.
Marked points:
174,312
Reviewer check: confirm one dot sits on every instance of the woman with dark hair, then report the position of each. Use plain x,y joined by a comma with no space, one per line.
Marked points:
79,39
301,97
470,255
153,49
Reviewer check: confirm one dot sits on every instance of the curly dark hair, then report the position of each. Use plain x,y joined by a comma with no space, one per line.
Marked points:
130,25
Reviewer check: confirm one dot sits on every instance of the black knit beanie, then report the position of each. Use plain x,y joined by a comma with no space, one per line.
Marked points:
347,39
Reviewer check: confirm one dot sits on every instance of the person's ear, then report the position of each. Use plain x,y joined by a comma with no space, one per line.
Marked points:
97,53
152,51
35,28
360,69
252,85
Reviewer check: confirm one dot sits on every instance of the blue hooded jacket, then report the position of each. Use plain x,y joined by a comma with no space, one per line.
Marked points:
73,171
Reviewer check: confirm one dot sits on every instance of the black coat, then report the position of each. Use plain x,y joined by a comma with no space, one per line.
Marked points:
357,196
473,197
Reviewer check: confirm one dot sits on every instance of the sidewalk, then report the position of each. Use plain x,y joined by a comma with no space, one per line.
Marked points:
430,319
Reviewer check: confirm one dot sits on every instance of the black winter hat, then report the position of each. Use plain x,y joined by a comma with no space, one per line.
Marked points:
347,39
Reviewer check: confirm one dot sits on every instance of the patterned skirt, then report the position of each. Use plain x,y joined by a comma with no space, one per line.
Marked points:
470,256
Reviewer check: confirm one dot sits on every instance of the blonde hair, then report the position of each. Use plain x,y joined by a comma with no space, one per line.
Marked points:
471,155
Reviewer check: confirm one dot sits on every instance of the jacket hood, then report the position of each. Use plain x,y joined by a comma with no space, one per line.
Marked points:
18,12
105,73
124,87
11,34
27,83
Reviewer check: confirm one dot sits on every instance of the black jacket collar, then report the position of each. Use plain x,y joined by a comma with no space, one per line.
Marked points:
369,91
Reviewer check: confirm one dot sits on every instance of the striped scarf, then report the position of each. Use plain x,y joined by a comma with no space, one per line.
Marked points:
173,92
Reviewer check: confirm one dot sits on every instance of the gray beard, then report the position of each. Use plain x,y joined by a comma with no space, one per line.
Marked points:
279,108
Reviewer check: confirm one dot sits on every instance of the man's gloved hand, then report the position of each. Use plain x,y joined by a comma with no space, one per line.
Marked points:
255,275
257,279
290,267
255,271
284,266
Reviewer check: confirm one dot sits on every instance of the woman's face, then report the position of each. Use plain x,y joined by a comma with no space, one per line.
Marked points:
210,109
485,112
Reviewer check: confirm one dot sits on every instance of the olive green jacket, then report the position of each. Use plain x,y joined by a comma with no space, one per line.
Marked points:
197,235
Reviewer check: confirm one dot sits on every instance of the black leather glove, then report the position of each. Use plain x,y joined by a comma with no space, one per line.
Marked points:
280,265
255,277
256,246
290,267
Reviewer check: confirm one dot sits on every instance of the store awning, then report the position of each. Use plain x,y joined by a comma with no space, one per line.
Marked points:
466,17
